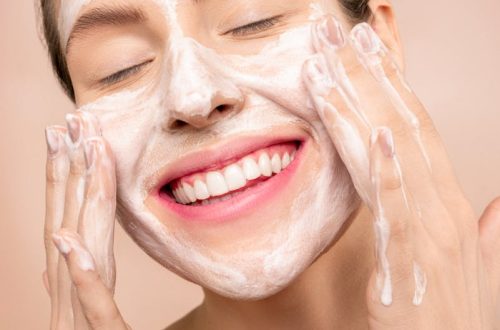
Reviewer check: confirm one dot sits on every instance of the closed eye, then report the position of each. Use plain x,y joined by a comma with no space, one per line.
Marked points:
254,27
123,74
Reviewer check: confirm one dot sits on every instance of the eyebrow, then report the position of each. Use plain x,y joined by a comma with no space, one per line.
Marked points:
98,17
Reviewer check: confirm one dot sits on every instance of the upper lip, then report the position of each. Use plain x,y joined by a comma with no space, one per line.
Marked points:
214,156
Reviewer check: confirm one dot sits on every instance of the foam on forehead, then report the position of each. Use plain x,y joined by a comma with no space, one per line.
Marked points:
68,14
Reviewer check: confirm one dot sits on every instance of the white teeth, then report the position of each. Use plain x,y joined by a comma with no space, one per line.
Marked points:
182,196
276,163
250,168
189,191
265,165
235,178
216,184
176,195
201,190
286,160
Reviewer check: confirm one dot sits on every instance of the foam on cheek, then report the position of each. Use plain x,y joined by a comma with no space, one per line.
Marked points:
134,124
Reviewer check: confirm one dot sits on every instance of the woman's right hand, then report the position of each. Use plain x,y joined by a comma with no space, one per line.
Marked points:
79,226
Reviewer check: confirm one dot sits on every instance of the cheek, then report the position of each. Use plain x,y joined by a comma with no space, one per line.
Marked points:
276,72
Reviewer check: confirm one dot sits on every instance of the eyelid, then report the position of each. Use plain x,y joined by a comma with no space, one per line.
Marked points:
123,74
255,27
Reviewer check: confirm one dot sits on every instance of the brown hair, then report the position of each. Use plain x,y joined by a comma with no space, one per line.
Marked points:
356,10
54,47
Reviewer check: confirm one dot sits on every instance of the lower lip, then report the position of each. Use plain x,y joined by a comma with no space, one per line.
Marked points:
242,204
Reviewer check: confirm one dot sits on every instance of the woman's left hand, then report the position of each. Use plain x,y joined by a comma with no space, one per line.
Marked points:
437,266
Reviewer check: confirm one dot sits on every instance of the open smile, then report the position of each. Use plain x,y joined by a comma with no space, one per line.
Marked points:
227,182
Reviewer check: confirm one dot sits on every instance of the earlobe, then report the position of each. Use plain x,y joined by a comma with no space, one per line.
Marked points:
383,21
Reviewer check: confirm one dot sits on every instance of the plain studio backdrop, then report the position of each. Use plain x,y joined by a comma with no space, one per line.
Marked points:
452,49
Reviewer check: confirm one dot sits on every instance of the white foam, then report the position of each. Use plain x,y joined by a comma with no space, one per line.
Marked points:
134,122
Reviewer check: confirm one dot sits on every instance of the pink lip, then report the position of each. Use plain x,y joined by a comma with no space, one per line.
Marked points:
245,202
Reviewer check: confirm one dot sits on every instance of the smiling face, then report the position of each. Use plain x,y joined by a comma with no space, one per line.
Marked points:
226,175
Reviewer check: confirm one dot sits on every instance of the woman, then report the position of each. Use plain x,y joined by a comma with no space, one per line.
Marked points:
260,149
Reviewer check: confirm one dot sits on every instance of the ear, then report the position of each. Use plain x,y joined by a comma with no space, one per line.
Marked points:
383,21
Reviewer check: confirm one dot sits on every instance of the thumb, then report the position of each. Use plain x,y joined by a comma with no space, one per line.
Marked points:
96,299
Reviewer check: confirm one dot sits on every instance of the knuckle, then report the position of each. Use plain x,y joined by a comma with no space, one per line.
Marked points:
398,232
424,120
56,172
391,183
390,68
87,280
103,318
47,238
450,248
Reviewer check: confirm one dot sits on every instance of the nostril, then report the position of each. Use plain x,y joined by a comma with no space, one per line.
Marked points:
223,108
178,124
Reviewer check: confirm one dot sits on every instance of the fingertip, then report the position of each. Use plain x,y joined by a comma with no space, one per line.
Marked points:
74,127
55,140
364,39
61,244
90,122
76,254
328,34
383,138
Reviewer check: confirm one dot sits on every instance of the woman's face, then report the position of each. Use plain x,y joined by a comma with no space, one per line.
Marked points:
195,98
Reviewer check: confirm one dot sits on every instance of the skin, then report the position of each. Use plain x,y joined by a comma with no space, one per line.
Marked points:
336,289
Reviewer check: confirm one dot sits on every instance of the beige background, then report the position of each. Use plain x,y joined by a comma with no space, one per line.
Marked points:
452,50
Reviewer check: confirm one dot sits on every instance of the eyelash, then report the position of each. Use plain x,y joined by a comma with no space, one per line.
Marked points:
123,74
255,27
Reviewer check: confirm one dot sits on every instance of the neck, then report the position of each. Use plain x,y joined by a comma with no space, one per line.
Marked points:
332,291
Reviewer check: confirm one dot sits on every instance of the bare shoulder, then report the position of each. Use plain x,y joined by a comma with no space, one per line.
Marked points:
187,322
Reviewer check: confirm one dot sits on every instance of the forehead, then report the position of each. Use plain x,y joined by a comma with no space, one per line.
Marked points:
70,10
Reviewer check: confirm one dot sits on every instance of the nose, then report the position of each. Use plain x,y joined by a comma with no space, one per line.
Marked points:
199,94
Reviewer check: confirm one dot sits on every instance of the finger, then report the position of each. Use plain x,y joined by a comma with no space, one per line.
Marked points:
358,97
329,39
343,132
363,113
57,169
392,220
78,129
97,218
489,238
96,300
378,61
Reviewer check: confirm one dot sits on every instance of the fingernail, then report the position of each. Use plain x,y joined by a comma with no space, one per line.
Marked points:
319,76
365,39
330,32
74,127
52,137
90,152
61,244
386,142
